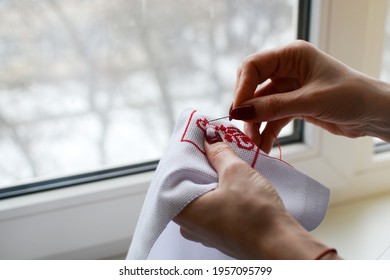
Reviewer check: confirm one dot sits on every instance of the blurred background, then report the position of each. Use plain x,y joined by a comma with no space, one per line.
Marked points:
92,84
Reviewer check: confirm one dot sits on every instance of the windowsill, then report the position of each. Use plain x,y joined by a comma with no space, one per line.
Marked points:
72,196
358,229
91,221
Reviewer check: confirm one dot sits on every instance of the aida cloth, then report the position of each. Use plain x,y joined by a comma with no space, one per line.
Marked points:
184,174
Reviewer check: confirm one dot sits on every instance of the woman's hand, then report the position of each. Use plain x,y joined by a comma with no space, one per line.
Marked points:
244,216
306,83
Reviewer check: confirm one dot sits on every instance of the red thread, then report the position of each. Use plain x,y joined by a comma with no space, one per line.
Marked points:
265,155
185,132
188,124
255,158
231,134
278,144
202,124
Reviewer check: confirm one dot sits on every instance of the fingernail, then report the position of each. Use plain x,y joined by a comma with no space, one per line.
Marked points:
230,112
245,112
212,136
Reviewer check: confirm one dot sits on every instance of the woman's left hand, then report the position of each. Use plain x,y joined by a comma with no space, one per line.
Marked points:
244,216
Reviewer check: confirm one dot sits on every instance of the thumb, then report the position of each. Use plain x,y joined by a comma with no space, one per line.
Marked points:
279,106
219,153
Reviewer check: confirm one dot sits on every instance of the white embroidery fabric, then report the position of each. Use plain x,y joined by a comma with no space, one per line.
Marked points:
184,174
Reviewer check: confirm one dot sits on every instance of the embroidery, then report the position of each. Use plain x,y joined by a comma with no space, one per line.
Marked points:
230,133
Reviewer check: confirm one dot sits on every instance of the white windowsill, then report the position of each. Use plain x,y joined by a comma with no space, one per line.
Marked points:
89,221
359,229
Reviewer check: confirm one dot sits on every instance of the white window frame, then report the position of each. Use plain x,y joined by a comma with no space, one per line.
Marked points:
96,220
347,166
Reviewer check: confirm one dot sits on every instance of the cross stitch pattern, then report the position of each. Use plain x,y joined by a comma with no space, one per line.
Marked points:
247,149
230,133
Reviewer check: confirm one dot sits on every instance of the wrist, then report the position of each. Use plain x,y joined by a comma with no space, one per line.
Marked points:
288,240
378,104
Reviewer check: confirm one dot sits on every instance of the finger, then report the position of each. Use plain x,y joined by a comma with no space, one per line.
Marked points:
270,132
250,75
221,156
282,105
192,212
287,68
252,130
237,78
333,128
187,235
277,85
192,237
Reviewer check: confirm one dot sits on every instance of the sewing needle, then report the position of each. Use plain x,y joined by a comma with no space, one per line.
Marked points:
213,120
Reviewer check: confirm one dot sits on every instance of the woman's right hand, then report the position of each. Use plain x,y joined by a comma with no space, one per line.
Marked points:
304,82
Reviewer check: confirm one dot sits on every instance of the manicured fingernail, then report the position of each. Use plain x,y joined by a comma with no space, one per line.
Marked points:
245,112
230,112
212,136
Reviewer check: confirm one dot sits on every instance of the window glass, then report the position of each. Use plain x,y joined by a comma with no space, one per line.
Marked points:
86,85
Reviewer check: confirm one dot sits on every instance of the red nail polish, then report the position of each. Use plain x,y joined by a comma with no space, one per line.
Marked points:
245,112
212,136
230,112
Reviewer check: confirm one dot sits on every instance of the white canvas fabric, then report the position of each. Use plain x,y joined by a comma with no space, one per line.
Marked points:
184,174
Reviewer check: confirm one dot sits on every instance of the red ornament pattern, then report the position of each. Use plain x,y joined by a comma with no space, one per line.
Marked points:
230,133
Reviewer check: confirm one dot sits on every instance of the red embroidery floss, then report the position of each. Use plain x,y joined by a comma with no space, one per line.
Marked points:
230,133
277,144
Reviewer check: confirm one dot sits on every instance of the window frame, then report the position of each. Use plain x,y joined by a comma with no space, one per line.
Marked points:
382,148
359,172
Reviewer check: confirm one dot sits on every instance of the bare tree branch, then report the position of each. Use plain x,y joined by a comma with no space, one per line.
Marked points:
21,143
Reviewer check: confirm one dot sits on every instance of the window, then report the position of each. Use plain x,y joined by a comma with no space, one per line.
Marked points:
95,220
381,146
92,89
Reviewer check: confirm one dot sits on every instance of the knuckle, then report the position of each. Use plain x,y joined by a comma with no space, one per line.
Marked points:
234,168
219,150
249,59
239,69
275,104
249,64
301,45
186,234
299,50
